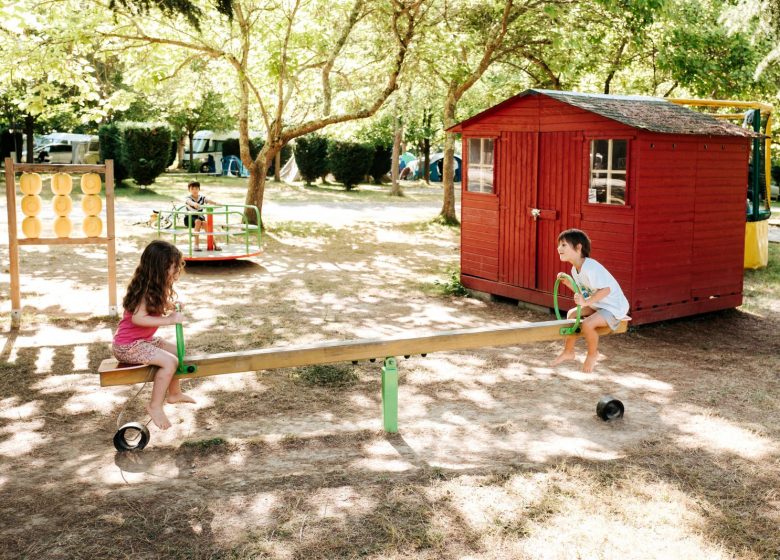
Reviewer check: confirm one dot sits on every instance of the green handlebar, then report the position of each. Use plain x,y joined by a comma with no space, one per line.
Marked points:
182,369
574,329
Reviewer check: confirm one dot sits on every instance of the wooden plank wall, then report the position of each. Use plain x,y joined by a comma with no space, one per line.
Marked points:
610,228
517,231
664,225
719,217
479,235
560,190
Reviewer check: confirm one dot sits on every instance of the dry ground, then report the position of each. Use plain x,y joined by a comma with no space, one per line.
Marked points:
498,456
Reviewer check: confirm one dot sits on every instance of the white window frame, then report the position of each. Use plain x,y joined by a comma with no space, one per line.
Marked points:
481,186
608,170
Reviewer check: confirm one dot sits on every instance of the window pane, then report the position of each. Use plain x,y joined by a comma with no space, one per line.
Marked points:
598,187
487,179
599,151
474,151
476,176
480,165
619,148
617,190
487,155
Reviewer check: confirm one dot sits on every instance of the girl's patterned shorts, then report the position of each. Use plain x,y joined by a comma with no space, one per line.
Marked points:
138,352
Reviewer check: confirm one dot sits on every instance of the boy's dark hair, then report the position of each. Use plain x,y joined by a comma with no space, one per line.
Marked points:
576,237
193,184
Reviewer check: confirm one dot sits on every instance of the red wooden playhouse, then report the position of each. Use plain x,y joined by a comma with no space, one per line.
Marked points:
659,188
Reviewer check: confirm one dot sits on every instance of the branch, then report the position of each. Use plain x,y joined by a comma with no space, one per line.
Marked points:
408,10
352,19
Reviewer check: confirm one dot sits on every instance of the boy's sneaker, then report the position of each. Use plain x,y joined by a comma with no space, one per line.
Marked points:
198,249
217,248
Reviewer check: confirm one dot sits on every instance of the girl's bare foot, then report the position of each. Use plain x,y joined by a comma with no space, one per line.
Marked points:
174,398
158,417
590,362
564,357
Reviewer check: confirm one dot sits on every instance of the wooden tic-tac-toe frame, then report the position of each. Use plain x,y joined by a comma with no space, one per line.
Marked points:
30,184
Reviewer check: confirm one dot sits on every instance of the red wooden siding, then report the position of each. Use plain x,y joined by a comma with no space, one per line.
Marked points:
560,191
666,200
479,227
676,247
479,235
611,227
719,218
517,184
556,116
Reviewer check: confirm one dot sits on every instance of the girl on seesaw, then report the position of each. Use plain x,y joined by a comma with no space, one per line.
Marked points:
149,304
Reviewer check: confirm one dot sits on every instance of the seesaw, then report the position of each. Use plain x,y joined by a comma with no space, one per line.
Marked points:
113,373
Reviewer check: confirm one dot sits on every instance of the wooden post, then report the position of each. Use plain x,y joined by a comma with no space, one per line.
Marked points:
390,395
13,243
111,234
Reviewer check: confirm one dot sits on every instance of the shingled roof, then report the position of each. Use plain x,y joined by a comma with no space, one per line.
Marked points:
648,113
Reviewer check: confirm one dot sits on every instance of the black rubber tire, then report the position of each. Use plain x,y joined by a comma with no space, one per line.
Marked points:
609,408
120,440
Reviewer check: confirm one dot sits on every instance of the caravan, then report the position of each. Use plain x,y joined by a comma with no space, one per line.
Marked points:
64,147
207,149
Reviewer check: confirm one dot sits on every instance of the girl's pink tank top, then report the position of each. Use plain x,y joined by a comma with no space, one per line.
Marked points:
128,332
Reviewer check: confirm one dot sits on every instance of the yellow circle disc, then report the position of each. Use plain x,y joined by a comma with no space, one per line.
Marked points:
31,205
91,204
92,226
31,227
90,183
62,204
61,183
62,226
30,183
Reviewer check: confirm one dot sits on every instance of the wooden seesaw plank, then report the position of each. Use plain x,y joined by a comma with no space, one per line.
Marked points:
350,350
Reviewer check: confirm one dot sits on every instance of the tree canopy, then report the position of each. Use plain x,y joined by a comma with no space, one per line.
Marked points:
287,68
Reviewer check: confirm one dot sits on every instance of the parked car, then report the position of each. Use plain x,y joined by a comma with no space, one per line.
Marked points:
56,153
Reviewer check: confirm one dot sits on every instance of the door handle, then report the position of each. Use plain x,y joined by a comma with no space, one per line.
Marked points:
537,213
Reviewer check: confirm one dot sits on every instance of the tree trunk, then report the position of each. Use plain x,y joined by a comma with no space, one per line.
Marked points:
29,121
278,167
395,190
447,215
191,135
180,151
254,194
258,171
427,161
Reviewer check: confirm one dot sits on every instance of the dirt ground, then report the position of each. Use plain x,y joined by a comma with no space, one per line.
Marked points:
498,455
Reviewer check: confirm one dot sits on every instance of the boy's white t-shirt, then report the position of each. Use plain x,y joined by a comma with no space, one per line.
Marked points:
593,276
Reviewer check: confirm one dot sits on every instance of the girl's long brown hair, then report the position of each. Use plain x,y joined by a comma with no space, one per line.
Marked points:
151,282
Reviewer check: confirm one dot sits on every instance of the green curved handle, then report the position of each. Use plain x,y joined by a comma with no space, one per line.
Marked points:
182,369
574,329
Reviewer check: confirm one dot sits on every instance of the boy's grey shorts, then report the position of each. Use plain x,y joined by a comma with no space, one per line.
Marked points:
611,320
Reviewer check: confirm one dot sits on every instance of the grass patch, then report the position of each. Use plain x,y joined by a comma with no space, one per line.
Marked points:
205,444
451,286
327,375
301,229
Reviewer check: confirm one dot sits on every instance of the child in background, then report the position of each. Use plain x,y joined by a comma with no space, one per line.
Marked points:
602,301
195,202
149,304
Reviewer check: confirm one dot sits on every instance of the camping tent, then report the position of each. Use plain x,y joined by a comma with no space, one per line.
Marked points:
232,167
436,167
